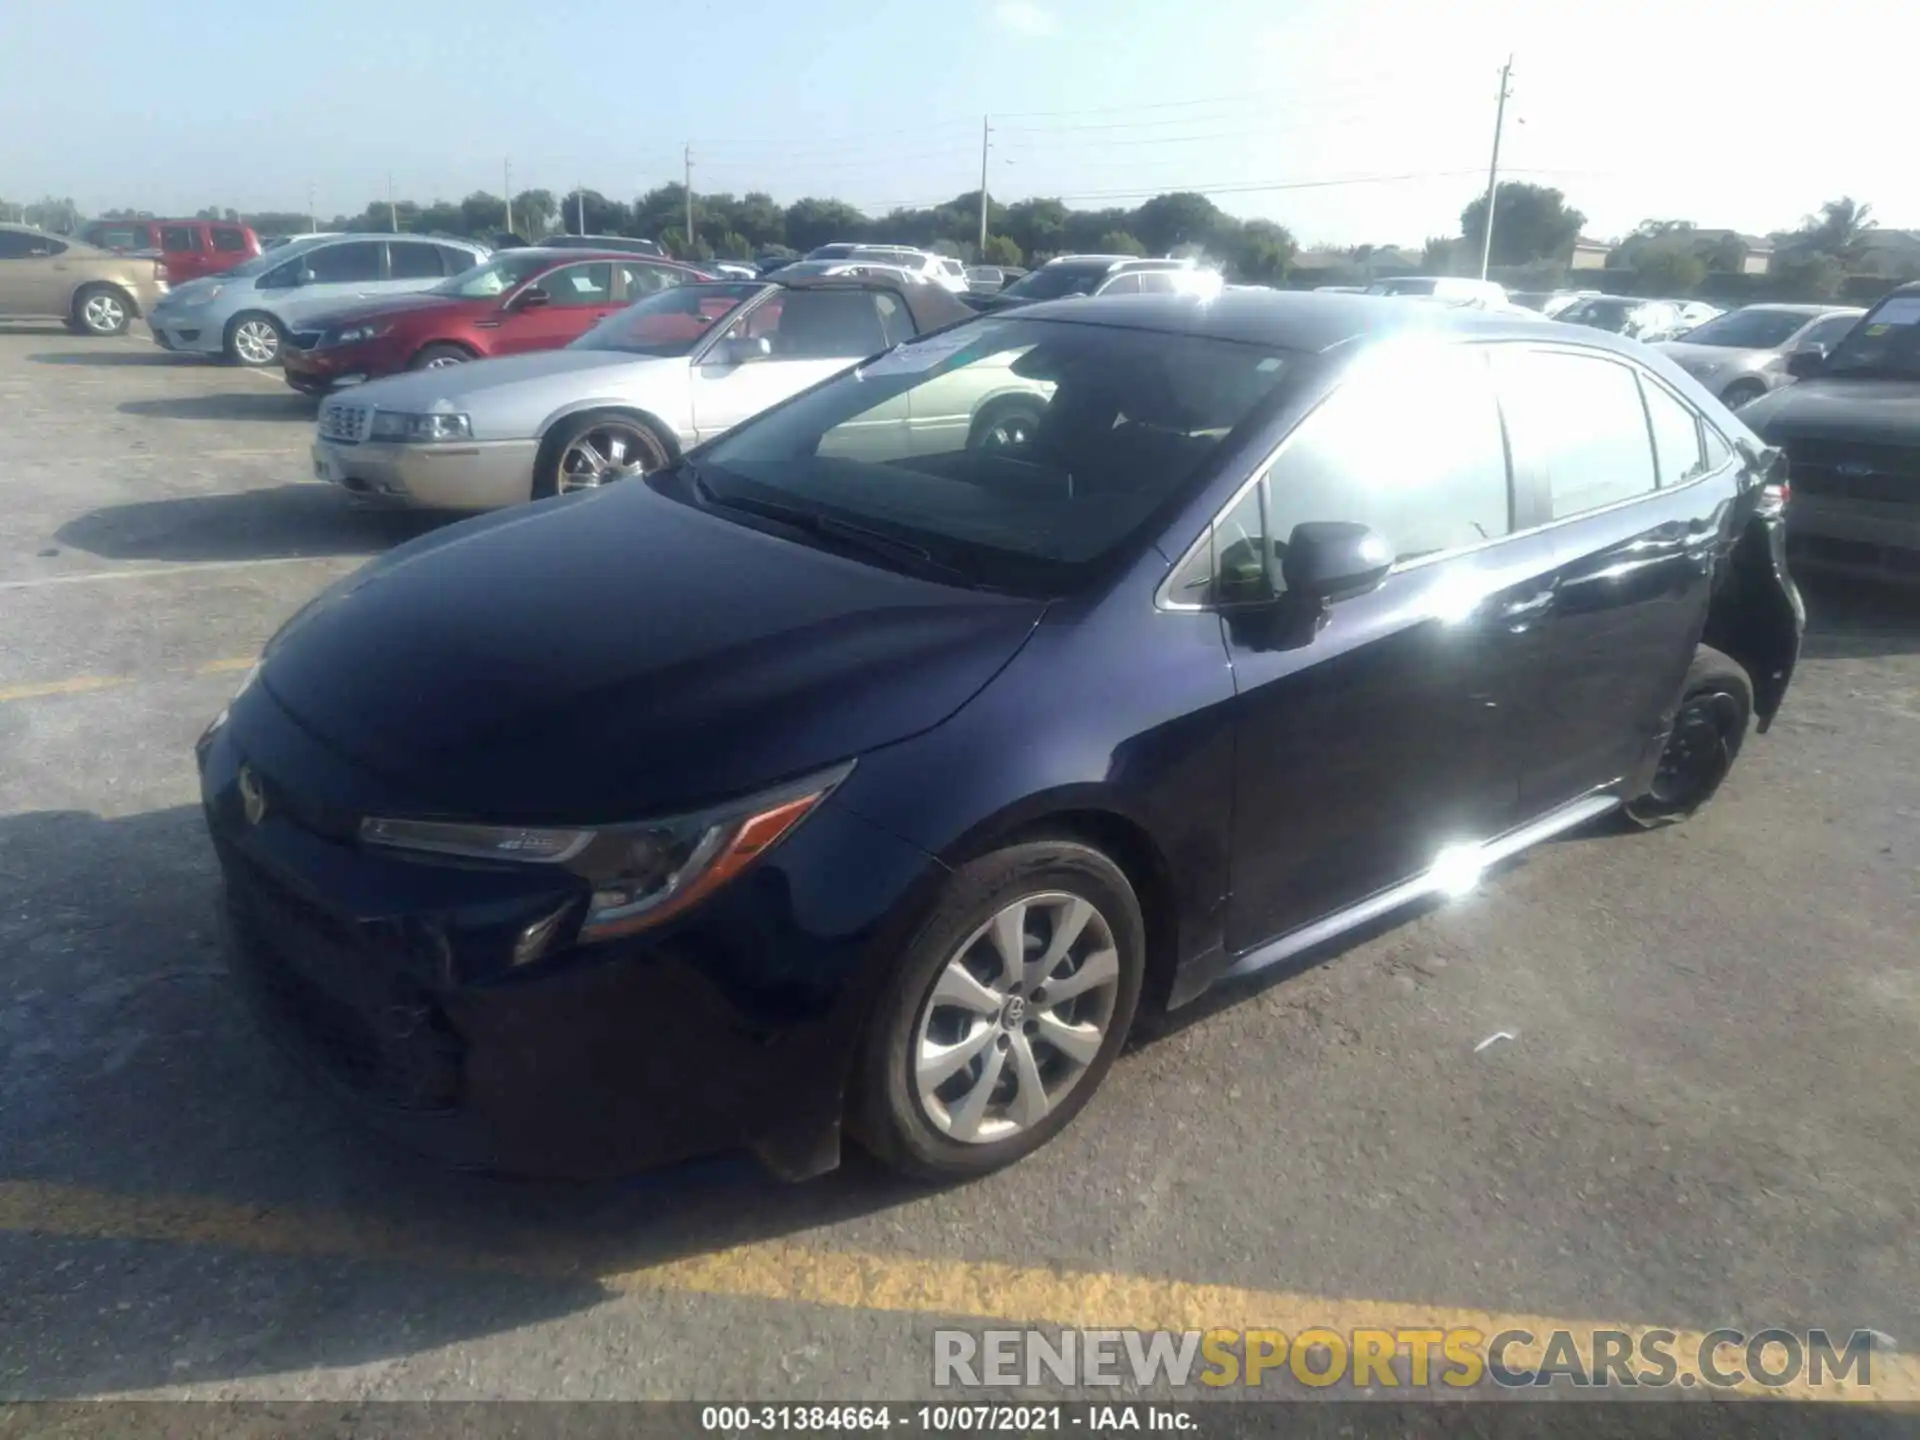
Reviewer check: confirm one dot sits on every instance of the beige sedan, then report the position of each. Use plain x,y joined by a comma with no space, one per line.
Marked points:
54,277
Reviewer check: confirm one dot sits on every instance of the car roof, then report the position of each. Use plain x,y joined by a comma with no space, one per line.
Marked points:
931,305
1304,320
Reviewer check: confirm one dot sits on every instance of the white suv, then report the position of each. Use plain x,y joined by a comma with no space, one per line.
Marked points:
245,313
942,270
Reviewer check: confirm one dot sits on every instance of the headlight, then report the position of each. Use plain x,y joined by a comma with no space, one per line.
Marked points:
354,334
203,297
641,873
420,429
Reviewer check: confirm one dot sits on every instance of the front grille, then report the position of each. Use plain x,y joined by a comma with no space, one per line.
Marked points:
1854,470
364,1023
345,423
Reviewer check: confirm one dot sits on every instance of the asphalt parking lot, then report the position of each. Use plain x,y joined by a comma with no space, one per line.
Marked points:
1702,1113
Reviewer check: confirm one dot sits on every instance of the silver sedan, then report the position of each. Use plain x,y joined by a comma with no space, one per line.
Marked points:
1742,355
679,367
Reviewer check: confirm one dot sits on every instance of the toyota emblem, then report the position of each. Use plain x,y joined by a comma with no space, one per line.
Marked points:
253,799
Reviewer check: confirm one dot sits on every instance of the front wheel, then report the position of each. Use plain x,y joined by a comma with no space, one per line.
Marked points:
1006,424
438,357
595,449
1005,1014
1741,393
253,339
1716,702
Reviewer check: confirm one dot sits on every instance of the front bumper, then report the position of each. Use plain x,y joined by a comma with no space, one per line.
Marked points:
1862,537
320,371
387,979
484,475
186,330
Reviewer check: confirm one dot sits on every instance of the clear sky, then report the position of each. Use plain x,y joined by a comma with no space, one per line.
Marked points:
1744,115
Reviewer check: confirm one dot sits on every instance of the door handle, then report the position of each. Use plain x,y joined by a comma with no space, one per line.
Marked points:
1519,614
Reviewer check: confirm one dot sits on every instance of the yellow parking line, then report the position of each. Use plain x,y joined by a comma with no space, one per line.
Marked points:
782,1271
86,684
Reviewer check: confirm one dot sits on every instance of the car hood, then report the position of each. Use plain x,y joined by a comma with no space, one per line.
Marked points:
619,655
1883,412
460,386
1698,357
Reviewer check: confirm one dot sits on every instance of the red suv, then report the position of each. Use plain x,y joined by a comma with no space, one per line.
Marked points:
187,249
517,301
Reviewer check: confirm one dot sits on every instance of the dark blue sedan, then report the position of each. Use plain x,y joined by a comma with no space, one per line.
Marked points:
867,771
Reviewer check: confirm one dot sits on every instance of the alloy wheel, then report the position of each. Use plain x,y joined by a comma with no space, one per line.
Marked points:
1015,1017
104,314
1008,431
442,362
606,453
256,341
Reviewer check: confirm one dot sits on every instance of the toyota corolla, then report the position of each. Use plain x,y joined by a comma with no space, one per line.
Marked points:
806,787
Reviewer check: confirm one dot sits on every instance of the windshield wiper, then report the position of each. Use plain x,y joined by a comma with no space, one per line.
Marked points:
846,532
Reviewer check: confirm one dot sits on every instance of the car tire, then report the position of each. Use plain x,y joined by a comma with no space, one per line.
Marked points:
101,310
1716,705
1742,392
1006,423
435,357
1028,1060
253,338
627,445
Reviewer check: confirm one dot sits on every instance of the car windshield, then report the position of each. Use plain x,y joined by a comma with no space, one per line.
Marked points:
1885,344
1749,329
1403,287
669,322
1051,282
496,276
1090,430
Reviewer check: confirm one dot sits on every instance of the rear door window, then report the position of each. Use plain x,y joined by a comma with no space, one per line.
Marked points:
229,241
1158,282
1676,436
457,261
1579,418
588,284
1122,285
414,261
179,239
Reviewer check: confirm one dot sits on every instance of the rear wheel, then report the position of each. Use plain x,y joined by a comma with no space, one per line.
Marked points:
438,357
253,338
1742,391
1005,1014
1716,702
101,310
595,449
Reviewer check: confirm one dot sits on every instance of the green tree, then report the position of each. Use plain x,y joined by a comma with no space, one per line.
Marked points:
1038,227
1264,253
1530,222
1808,275
1838,228
1002,250
812,222
1438,254
1654,229
760,220
1179,218
535,212
1669,270
483,214
1119,242
602,216
1085,228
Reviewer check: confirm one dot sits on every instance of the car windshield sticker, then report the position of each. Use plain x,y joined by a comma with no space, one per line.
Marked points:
915,356
584,284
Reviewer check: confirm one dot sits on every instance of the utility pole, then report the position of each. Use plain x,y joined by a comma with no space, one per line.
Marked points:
313,223
1493,169
393,215
580,207
688,187
986,132
506,188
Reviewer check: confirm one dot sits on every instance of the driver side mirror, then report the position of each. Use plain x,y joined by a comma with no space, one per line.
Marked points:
740,349
1328,560
531,298
1808,360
